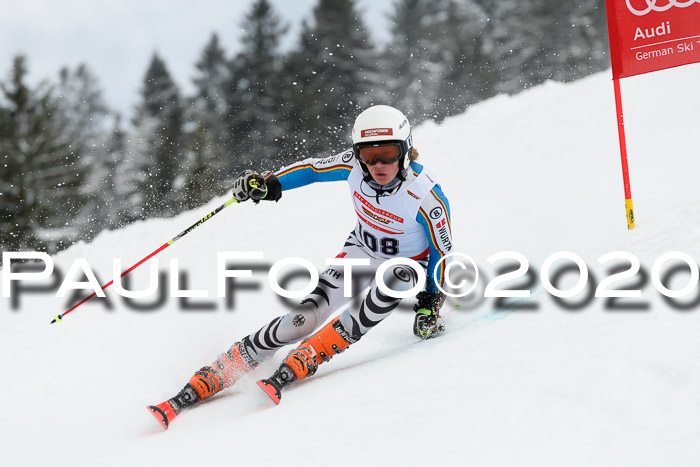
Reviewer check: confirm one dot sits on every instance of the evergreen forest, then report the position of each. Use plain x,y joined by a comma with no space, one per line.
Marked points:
71,167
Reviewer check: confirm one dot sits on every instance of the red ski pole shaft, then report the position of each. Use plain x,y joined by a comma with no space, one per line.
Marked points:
58,318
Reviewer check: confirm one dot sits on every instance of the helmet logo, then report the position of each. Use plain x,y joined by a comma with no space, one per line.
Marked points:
377,132
403,124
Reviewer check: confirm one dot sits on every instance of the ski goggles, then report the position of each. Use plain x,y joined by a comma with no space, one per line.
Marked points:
385,153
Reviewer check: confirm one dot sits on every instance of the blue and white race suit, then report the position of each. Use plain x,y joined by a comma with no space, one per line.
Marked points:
411,221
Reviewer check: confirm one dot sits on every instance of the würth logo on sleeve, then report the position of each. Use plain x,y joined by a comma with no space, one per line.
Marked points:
377,132
443,231
445,237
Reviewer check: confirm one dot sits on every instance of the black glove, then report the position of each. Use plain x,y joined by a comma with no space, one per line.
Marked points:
428,323
251,185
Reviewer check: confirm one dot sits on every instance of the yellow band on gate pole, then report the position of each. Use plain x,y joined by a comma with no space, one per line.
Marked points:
630,214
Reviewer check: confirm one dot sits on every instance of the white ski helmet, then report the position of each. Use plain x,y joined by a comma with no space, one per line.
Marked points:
383,124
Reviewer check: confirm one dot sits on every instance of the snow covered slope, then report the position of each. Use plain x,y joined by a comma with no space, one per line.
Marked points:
536,173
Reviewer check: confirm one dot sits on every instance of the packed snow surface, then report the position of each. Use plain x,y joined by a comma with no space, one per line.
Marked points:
515,382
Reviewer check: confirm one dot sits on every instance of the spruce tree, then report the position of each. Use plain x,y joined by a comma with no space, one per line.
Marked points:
255,116
131,179
463,32
413,63
207,167
211,78
537,40
80,113
339,73
296,92
161,150
107,202
586,50
20,109
207,154
44,142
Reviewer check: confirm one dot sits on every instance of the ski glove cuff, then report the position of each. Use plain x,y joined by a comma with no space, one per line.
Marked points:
427,323
251,185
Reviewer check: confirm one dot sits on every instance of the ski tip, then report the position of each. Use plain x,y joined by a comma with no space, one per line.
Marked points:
270,390
158,413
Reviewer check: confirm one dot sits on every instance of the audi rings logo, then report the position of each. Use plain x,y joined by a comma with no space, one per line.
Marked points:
643,7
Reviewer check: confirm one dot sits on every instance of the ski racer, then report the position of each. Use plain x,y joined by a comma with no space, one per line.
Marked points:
401,213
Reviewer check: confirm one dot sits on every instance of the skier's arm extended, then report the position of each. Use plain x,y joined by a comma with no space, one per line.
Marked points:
310,171
434,216
269,186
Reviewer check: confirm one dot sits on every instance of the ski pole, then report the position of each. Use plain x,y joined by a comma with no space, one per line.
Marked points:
59,318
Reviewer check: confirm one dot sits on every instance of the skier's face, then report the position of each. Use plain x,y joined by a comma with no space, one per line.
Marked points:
381,159
383,173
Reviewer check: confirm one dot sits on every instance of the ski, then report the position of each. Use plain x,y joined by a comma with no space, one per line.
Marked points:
164,413
271,390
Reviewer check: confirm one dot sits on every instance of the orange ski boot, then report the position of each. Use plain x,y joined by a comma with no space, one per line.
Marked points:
206,382
330,340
